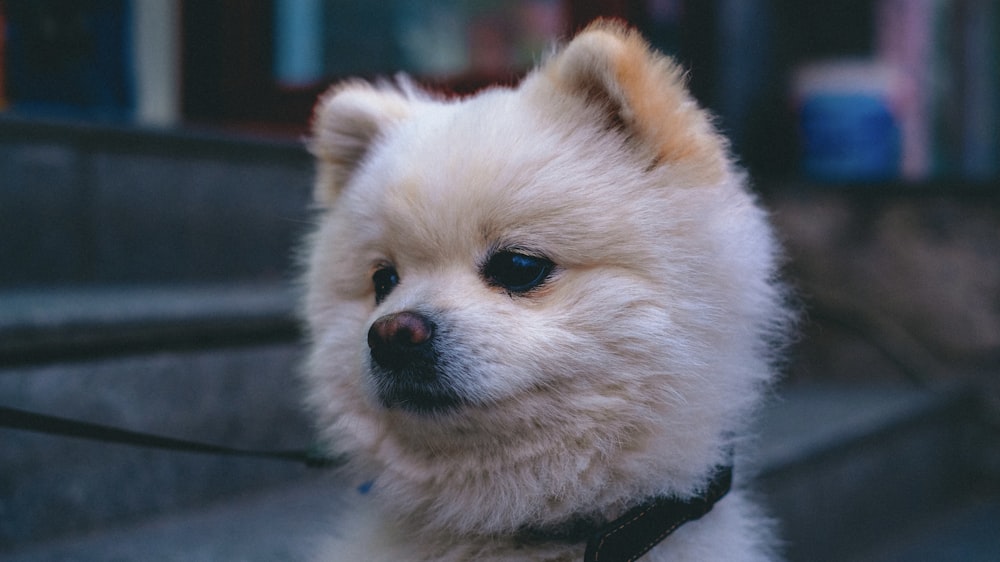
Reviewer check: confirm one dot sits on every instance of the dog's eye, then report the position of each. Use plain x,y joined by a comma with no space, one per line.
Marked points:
385,280
515,272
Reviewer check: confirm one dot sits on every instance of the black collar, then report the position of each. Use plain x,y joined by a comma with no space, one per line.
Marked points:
641,528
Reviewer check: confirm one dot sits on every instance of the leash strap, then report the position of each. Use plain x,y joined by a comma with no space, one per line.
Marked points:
632,535
41,423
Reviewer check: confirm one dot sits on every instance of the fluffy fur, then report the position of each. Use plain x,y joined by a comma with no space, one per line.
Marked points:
630,372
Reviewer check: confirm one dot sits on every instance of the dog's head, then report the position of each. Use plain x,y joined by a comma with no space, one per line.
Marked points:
538,300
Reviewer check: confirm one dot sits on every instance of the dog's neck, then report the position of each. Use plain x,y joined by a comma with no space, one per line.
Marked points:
638,530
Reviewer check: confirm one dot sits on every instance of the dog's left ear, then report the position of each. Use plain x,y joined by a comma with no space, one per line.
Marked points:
348,121
643,92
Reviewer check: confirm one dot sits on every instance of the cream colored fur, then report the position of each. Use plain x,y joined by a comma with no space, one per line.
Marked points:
629,373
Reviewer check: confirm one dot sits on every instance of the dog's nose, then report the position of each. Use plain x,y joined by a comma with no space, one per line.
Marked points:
400,329
399,338
406,367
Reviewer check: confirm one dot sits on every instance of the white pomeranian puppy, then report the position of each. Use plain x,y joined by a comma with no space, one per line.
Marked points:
540,317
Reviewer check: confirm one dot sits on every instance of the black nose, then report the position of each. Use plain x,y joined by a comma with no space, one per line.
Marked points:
407,371
401,339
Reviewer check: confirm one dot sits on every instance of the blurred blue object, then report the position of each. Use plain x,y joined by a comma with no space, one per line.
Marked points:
849,127
849,137
298,49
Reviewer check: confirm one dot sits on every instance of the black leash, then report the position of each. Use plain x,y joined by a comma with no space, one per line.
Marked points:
40,423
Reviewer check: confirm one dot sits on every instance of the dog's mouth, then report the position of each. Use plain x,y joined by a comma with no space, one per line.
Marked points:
416,391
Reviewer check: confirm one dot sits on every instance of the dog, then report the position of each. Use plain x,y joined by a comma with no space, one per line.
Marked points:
540,316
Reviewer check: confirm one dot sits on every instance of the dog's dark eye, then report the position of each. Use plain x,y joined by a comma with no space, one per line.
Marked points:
385,280
516,272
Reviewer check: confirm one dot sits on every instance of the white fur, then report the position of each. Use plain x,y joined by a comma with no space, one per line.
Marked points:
631,372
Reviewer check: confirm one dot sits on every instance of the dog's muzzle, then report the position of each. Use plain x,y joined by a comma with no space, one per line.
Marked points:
407,366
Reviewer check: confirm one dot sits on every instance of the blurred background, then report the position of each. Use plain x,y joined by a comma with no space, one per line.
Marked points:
154,186
853,90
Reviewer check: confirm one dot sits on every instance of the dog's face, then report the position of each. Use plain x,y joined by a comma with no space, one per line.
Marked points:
536,298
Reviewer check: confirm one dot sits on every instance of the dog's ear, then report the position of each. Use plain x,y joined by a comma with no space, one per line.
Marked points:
639,91
348,120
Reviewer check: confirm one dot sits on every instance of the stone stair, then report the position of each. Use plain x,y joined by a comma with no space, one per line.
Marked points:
851,472
145,282
851,468
149,288
214,364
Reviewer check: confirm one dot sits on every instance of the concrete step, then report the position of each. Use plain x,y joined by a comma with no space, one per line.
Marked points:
846,467
209,363
277,524
97,204
966,532
44,325
835,460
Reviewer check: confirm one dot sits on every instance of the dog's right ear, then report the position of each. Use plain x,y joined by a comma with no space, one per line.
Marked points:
348,120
